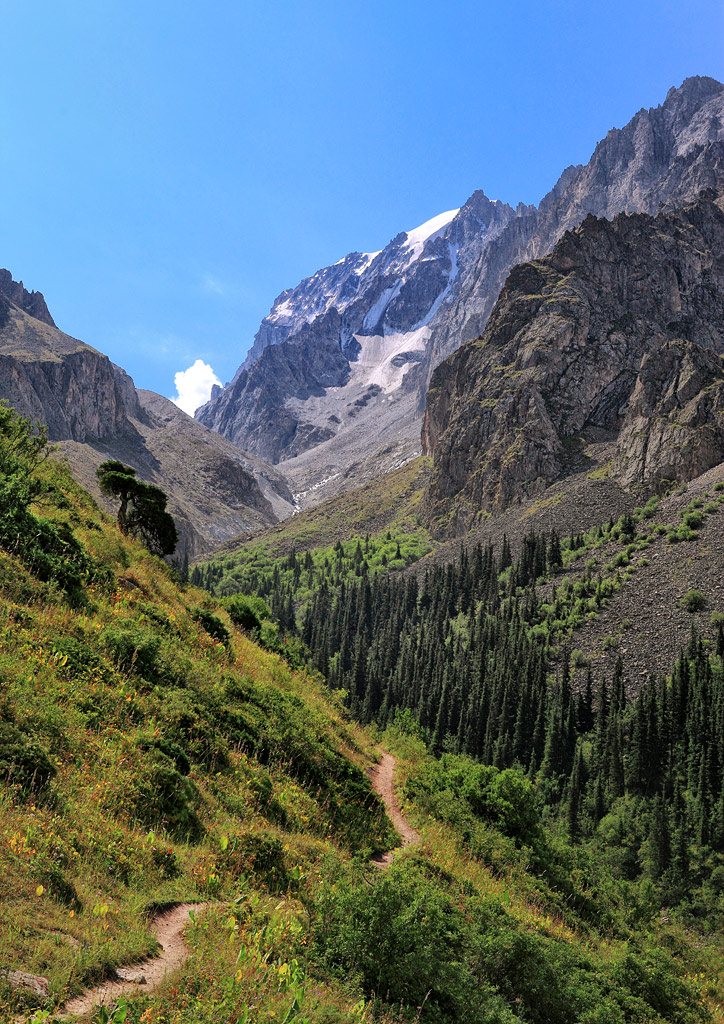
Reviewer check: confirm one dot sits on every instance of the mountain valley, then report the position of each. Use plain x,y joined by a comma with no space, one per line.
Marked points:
423,720
340,367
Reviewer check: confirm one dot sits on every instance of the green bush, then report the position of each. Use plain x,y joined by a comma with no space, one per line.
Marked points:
212,624
172,750
505,799
134,647
194,726
162,797
246,612
47,549
24,764
405,938
693,601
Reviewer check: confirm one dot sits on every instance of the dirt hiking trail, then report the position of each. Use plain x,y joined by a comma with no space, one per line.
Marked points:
382,777
169,927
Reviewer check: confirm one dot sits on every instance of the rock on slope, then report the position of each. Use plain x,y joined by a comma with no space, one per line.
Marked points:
618,332
340,366
93,411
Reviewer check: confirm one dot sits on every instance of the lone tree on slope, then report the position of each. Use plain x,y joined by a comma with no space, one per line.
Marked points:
142,512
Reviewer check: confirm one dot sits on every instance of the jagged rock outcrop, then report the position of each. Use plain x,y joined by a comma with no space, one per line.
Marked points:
393,316
30,302
93,412
664,155
255,407
674,425
59,380
617,332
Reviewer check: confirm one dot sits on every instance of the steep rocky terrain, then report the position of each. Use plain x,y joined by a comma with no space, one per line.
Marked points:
93,411
334,373
340,366
617,333
664,155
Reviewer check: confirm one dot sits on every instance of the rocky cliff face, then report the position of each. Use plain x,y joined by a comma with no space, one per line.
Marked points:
361,338
57,379
617,333
30,302
93,411
664,155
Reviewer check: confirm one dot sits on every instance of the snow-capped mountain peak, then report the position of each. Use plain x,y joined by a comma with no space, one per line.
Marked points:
428,231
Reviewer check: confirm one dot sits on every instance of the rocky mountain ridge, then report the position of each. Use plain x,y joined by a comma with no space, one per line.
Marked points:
93,411
340,366
344,348
618,334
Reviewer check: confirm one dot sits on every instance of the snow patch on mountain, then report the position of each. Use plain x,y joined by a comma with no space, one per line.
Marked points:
376,312
445,294
426,232
384,359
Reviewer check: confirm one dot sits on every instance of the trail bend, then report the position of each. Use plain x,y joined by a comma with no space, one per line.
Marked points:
169,927
382,777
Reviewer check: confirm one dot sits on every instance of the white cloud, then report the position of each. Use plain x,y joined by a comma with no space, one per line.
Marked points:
193,386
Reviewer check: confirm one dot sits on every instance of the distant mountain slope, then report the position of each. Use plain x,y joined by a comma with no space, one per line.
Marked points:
93,411
664,155
334,371
340,366
617,333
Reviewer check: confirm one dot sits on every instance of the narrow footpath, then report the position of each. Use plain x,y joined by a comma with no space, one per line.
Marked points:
382,776
144,977
169,926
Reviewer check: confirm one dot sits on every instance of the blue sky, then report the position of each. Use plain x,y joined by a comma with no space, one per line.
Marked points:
168,168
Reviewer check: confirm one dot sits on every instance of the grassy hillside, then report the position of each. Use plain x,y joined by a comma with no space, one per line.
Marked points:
386,503
151,753
358,534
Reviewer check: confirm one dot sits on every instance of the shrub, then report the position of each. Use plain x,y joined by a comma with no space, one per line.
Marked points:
212,624
191,726
23,762
161,796
170,749
134,648
247,612
262,854
693,520
693,601
405,937
48,549
505,799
